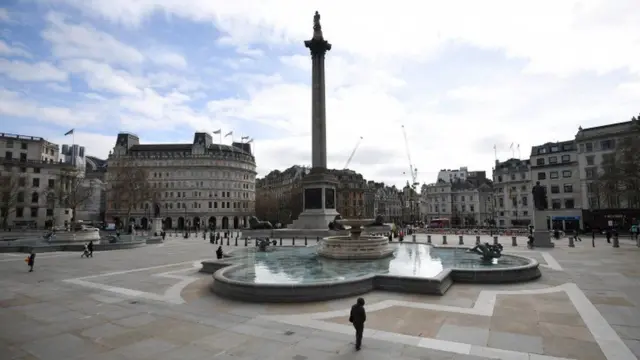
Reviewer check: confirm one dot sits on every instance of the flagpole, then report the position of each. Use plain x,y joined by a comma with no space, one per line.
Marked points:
495,152
519,155
220,137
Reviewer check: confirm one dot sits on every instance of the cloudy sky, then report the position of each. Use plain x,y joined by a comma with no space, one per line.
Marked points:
460,75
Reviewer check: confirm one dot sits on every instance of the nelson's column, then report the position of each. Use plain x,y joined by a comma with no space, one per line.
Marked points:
319,196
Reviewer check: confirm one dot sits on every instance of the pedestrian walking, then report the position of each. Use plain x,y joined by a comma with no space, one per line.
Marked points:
31,260
357,317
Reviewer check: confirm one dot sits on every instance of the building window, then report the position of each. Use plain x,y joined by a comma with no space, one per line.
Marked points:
472,208
22,181
607,144
49,212
36,170
20,197
23,157
566,158
555,189
34,197
553,175
581,146
513,176
589,147
542,151
34,212
540,161
556,204
590,187
569,204
590,160
566,174
568,188
553,159
590,173
8,155
19,212
35,182
525,201
23,146
499,179
542,175
523,176
210,205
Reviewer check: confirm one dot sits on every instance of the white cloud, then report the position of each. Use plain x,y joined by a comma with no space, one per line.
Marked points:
169,59
103,77
7,50
85,42
23,71
15,104
460,81
59,88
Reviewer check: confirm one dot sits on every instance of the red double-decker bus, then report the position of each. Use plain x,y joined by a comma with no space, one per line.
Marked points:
440,223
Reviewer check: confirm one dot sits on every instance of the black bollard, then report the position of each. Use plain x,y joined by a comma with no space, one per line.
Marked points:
305,241
514,241
495,240
236,241
429,239
444,239
280,241
245,241
293,243
317,239
227,241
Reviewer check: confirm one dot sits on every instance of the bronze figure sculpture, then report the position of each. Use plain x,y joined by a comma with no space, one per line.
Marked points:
539,197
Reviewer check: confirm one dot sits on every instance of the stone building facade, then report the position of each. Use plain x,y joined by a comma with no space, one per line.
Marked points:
595,146
460,202
31,169
350,202
512,191
388,203
198,185
555,166
279,195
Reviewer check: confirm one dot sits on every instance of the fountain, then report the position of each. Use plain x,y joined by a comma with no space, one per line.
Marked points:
355,246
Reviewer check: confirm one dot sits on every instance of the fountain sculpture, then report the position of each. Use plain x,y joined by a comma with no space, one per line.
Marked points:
487,251
355,246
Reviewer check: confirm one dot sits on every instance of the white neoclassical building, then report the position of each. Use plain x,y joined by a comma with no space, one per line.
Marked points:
199,185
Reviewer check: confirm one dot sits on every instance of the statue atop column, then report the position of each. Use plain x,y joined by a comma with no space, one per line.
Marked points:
539,197
317,28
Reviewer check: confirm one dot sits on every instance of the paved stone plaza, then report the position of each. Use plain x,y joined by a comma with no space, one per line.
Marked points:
151,302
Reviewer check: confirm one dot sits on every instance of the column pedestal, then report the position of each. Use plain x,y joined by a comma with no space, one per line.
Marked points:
541,236
156,226
319,201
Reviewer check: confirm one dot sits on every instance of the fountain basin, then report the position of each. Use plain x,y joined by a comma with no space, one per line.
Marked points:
297,274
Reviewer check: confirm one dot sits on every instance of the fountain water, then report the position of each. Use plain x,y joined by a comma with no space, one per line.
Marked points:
355,246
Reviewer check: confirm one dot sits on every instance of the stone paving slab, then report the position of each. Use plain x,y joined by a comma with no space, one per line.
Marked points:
52,319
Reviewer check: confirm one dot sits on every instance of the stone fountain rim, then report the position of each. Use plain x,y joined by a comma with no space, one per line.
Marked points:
281,292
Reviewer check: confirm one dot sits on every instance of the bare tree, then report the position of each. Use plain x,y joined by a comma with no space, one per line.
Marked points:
11,184
129,187
266,206
619,178
71,192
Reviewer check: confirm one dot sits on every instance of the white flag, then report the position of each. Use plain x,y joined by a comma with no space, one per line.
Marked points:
217,132
244,138
511,147
229,134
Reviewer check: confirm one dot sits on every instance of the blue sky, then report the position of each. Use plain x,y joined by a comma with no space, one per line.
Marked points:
460,76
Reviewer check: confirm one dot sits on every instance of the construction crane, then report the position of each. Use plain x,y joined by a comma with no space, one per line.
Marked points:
413,175
353,153
413,172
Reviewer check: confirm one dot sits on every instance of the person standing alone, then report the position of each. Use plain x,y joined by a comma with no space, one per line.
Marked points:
357,317
31,260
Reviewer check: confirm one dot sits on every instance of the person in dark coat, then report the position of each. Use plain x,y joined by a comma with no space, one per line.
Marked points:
219,252
357,317
90,248
31,260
